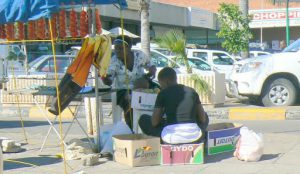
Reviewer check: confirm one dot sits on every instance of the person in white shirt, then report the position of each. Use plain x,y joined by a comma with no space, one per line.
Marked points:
126,67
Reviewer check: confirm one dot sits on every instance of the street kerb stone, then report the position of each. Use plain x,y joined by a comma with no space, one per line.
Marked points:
257,113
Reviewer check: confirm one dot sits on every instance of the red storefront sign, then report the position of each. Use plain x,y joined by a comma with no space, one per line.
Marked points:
275,15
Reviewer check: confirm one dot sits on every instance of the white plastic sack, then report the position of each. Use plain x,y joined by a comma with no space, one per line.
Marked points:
1,161
106,140
105,132
249,146
181,133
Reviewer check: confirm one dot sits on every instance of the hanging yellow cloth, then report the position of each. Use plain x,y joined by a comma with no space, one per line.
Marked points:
103,55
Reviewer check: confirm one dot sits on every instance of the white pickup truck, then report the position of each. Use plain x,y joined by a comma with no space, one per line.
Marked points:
219,60
273,80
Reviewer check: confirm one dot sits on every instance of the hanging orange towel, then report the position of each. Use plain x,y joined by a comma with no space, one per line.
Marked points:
94,50
81,75
80,68
74,66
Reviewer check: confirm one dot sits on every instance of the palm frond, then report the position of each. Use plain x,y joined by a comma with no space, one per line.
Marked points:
172,40
175,41
201,85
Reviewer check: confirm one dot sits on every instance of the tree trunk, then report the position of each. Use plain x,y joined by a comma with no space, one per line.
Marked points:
145,27
244,7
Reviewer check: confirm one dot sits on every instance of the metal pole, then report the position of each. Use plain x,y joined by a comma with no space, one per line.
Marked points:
261,28
287,24
26,58
93,33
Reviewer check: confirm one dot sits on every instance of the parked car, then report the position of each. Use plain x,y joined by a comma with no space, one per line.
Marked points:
157,58
160,61
195,63
45,64
220,60
273,80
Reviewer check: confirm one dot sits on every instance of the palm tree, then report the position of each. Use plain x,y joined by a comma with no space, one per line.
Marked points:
145,27
175,41
244,7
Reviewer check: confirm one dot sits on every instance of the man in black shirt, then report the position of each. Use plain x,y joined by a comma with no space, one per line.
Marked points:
179,103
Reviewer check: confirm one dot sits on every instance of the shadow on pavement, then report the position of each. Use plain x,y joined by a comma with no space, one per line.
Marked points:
291,131
4,124
266,157
217,157
38,161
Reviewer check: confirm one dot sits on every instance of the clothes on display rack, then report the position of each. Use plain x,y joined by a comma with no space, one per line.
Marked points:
95,50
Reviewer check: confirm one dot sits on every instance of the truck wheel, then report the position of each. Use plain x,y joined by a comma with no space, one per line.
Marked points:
279,92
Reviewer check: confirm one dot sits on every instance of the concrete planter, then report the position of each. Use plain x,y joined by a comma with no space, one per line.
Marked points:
25,81
216,82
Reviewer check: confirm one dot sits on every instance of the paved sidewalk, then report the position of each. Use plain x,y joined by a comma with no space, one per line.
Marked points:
281,155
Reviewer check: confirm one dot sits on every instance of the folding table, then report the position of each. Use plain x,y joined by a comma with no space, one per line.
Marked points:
50,91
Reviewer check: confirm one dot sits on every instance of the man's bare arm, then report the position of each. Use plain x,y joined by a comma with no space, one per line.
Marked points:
201,114
157,116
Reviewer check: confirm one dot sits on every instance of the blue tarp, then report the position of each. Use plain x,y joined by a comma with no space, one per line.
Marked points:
25,10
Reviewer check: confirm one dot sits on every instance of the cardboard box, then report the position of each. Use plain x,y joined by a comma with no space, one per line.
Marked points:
222,137
136,150
182,154
142,100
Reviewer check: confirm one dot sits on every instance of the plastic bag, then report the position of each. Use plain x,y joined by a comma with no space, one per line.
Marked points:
106,140
249,146
1,161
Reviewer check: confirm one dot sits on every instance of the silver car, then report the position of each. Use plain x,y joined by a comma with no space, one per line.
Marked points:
45,64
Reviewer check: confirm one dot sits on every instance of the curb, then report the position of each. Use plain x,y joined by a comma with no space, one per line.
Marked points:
257,113
214,113
223,113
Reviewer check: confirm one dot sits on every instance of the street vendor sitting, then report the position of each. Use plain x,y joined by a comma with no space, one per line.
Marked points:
125,68
183,110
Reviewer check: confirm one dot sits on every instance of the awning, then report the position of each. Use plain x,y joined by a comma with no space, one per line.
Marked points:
25,10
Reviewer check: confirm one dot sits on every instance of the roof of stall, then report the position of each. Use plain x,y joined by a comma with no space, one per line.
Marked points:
25,10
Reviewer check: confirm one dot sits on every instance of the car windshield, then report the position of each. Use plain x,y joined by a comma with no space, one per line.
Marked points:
202,55
48,65
180,61
165,52
222,59
294,47
199,64
161,61
35,61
